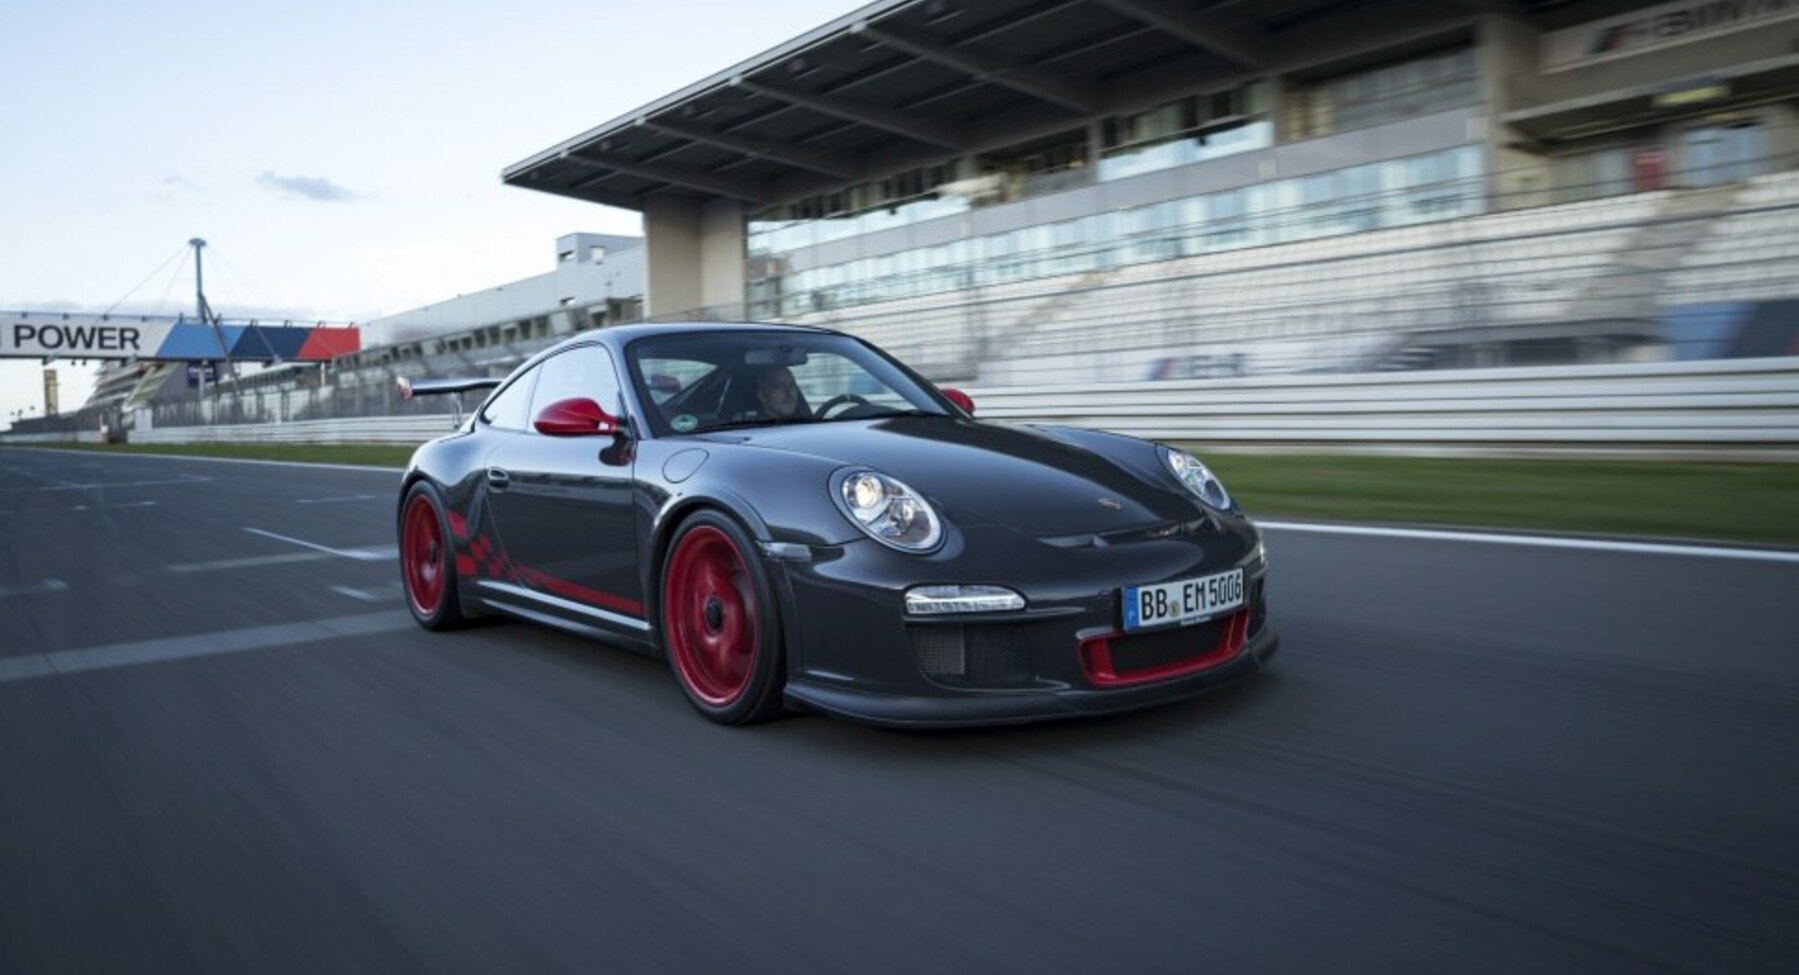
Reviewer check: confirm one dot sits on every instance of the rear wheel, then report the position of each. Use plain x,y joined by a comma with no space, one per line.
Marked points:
426,559
720,627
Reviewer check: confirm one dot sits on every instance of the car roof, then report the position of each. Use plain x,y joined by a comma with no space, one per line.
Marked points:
618,335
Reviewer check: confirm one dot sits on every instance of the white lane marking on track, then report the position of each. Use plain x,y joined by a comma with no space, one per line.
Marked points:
372,594
348,497
36,588
250,562
200,645
1542,541
359,554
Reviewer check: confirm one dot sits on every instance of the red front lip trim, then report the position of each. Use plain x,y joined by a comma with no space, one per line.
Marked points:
1096,657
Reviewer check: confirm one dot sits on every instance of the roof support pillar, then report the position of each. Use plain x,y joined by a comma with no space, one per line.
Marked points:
693,257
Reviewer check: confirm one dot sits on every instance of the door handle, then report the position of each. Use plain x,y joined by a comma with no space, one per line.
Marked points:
498,479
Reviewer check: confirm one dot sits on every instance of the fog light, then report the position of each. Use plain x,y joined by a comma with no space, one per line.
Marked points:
937,600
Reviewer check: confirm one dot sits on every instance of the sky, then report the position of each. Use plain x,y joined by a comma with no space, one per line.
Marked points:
342,160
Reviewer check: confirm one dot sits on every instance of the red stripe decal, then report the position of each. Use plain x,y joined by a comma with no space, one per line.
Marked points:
580,593
494,564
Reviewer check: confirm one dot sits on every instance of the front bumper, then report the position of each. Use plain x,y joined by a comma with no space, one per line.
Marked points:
965,708
854,652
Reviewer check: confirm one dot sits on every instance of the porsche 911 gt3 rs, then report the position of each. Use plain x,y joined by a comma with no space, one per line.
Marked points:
793,519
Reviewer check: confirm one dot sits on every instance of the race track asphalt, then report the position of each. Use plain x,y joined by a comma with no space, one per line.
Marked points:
222,751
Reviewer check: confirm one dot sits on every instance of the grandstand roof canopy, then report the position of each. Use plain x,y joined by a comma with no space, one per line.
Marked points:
905,82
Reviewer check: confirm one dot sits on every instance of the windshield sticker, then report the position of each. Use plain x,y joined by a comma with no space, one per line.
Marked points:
684,423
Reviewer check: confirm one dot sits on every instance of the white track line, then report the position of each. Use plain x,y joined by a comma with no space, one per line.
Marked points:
250,562
142,652
348,497
1542,541
48,585
359,554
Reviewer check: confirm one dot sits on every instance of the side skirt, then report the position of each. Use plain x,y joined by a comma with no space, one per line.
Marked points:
532,606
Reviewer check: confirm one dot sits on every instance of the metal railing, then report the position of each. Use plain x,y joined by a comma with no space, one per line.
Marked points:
1746,408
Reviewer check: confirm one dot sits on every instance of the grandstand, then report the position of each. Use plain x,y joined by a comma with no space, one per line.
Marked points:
1031,191
1748,255
1578,282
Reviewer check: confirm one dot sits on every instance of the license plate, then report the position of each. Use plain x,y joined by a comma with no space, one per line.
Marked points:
1183,601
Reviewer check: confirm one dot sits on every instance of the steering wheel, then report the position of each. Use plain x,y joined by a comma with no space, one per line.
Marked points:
824,408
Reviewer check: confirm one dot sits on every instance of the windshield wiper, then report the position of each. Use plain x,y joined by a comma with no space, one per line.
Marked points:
893,412
890,414
767,421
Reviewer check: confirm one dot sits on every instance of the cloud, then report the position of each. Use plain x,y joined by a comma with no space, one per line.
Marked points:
306,187
176,188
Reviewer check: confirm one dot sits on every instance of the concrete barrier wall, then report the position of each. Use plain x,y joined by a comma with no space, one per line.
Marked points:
400,430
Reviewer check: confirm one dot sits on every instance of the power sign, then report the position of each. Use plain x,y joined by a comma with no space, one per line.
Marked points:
80,341
37,335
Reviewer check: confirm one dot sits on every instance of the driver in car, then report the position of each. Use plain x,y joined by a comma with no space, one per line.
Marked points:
778,394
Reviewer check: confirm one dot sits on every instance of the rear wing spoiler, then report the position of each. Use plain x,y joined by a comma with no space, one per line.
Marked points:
408,388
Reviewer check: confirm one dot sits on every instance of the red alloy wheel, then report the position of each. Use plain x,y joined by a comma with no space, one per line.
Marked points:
424,560
709,616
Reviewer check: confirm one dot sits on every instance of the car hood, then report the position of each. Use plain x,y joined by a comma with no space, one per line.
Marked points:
1021,478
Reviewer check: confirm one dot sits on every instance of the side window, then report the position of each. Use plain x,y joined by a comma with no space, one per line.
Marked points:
584,372
511,409
666,378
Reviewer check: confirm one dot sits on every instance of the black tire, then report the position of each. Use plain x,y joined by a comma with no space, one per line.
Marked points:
427,560
714,595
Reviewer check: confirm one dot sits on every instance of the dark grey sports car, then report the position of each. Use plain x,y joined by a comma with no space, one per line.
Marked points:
794,519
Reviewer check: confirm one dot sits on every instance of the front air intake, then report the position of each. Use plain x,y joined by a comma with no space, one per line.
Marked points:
989,655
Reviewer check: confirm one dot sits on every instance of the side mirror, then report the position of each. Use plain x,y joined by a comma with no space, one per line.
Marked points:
576,418
959,398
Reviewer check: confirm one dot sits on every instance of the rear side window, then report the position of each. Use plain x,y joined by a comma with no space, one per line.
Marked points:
511,409
584,372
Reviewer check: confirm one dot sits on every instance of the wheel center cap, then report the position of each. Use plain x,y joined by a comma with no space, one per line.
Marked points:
715,613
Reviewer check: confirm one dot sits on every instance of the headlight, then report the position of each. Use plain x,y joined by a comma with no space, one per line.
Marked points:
1196,477
889,511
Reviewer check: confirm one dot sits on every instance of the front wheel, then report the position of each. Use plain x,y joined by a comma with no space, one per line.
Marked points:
720,625
426,560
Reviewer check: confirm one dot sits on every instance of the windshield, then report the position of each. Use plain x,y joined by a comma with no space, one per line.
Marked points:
702,381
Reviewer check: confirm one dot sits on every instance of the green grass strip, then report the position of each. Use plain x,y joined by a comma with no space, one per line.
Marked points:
1756,503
